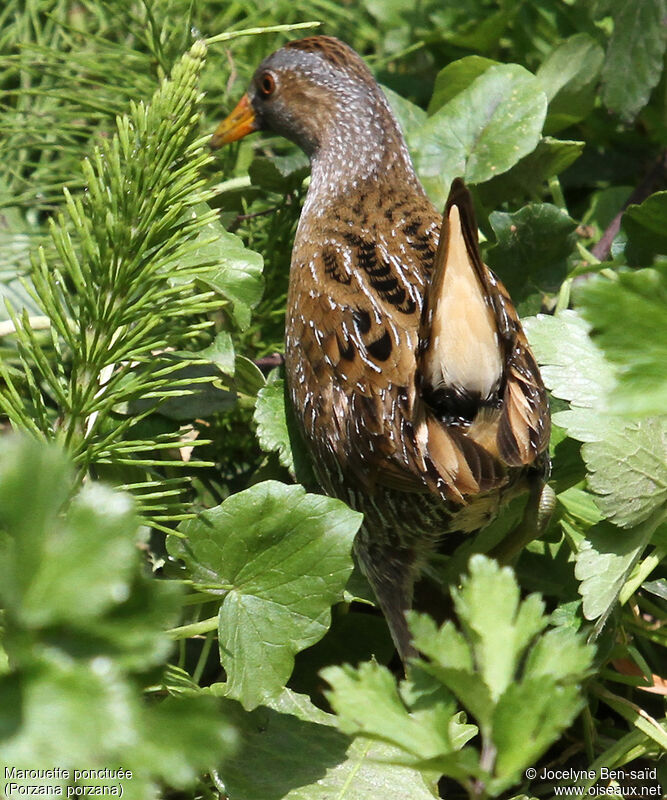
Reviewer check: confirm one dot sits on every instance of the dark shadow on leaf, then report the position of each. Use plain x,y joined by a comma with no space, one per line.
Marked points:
279,753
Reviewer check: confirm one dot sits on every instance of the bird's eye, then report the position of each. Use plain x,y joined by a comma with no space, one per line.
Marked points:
267,84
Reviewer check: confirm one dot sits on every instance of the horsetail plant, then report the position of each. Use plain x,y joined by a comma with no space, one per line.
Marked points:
137,264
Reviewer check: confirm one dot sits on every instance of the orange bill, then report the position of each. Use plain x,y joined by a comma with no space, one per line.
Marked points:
238,124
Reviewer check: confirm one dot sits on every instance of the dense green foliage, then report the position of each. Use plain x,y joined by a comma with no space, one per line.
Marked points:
175,597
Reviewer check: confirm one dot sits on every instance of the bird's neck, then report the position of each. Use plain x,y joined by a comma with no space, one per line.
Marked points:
359,147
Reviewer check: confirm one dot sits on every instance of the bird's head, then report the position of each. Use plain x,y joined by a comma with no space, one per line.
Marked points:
312,91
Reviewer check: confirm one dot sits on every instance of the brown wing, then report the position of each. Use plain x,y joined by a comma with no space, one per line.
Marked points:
354,310
408,380
525,423
477,376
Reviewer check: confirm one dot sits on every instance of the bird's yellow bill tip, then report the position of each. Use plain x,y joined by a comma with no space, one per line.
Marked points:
238,124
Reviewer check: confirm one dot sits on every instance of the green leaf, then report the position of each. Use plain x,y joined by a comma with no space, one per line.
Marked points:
60,590
248,377
519,683
528,718
628,471
192,393
34,483
238,273
173,741
634,61
279,558
499,627
456,77
630,325
185,737
451,662
569,77
271,420
574,369
645,230
277,431
482,132
72,735
625,460
281,174
649,216
291,750
528,177
221,353
605,561
121,282
367,702
522,705
532,251
574,655
17,238
483,32
80,620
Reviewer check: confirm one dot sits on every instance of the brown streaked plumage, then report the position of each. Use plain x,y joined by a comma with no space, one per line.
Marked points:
406,363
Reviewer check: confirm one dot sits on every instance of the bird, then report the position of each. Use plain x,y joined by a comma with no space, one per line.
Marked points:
406,364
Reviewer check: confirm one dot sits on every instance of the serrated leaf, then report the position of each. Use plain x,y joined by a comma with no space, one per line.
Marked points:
574,369
634,61
292,751
482,132
569,77
625,461
515,680
62,589
532,251
500,628
185,736
451,662
628,471
73,735
80,619
279,558
58,728
34,483
574,655
367,702
605,561
528,718
456,77
630,325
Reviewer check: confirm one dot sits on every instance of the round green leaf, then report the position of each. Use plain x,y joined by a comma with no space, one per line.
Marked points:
482,132
532,251
280,558
456,77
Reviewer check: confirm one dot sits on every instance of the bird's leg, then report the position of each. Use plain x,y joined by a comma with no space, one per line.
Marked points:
536,516
391,569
